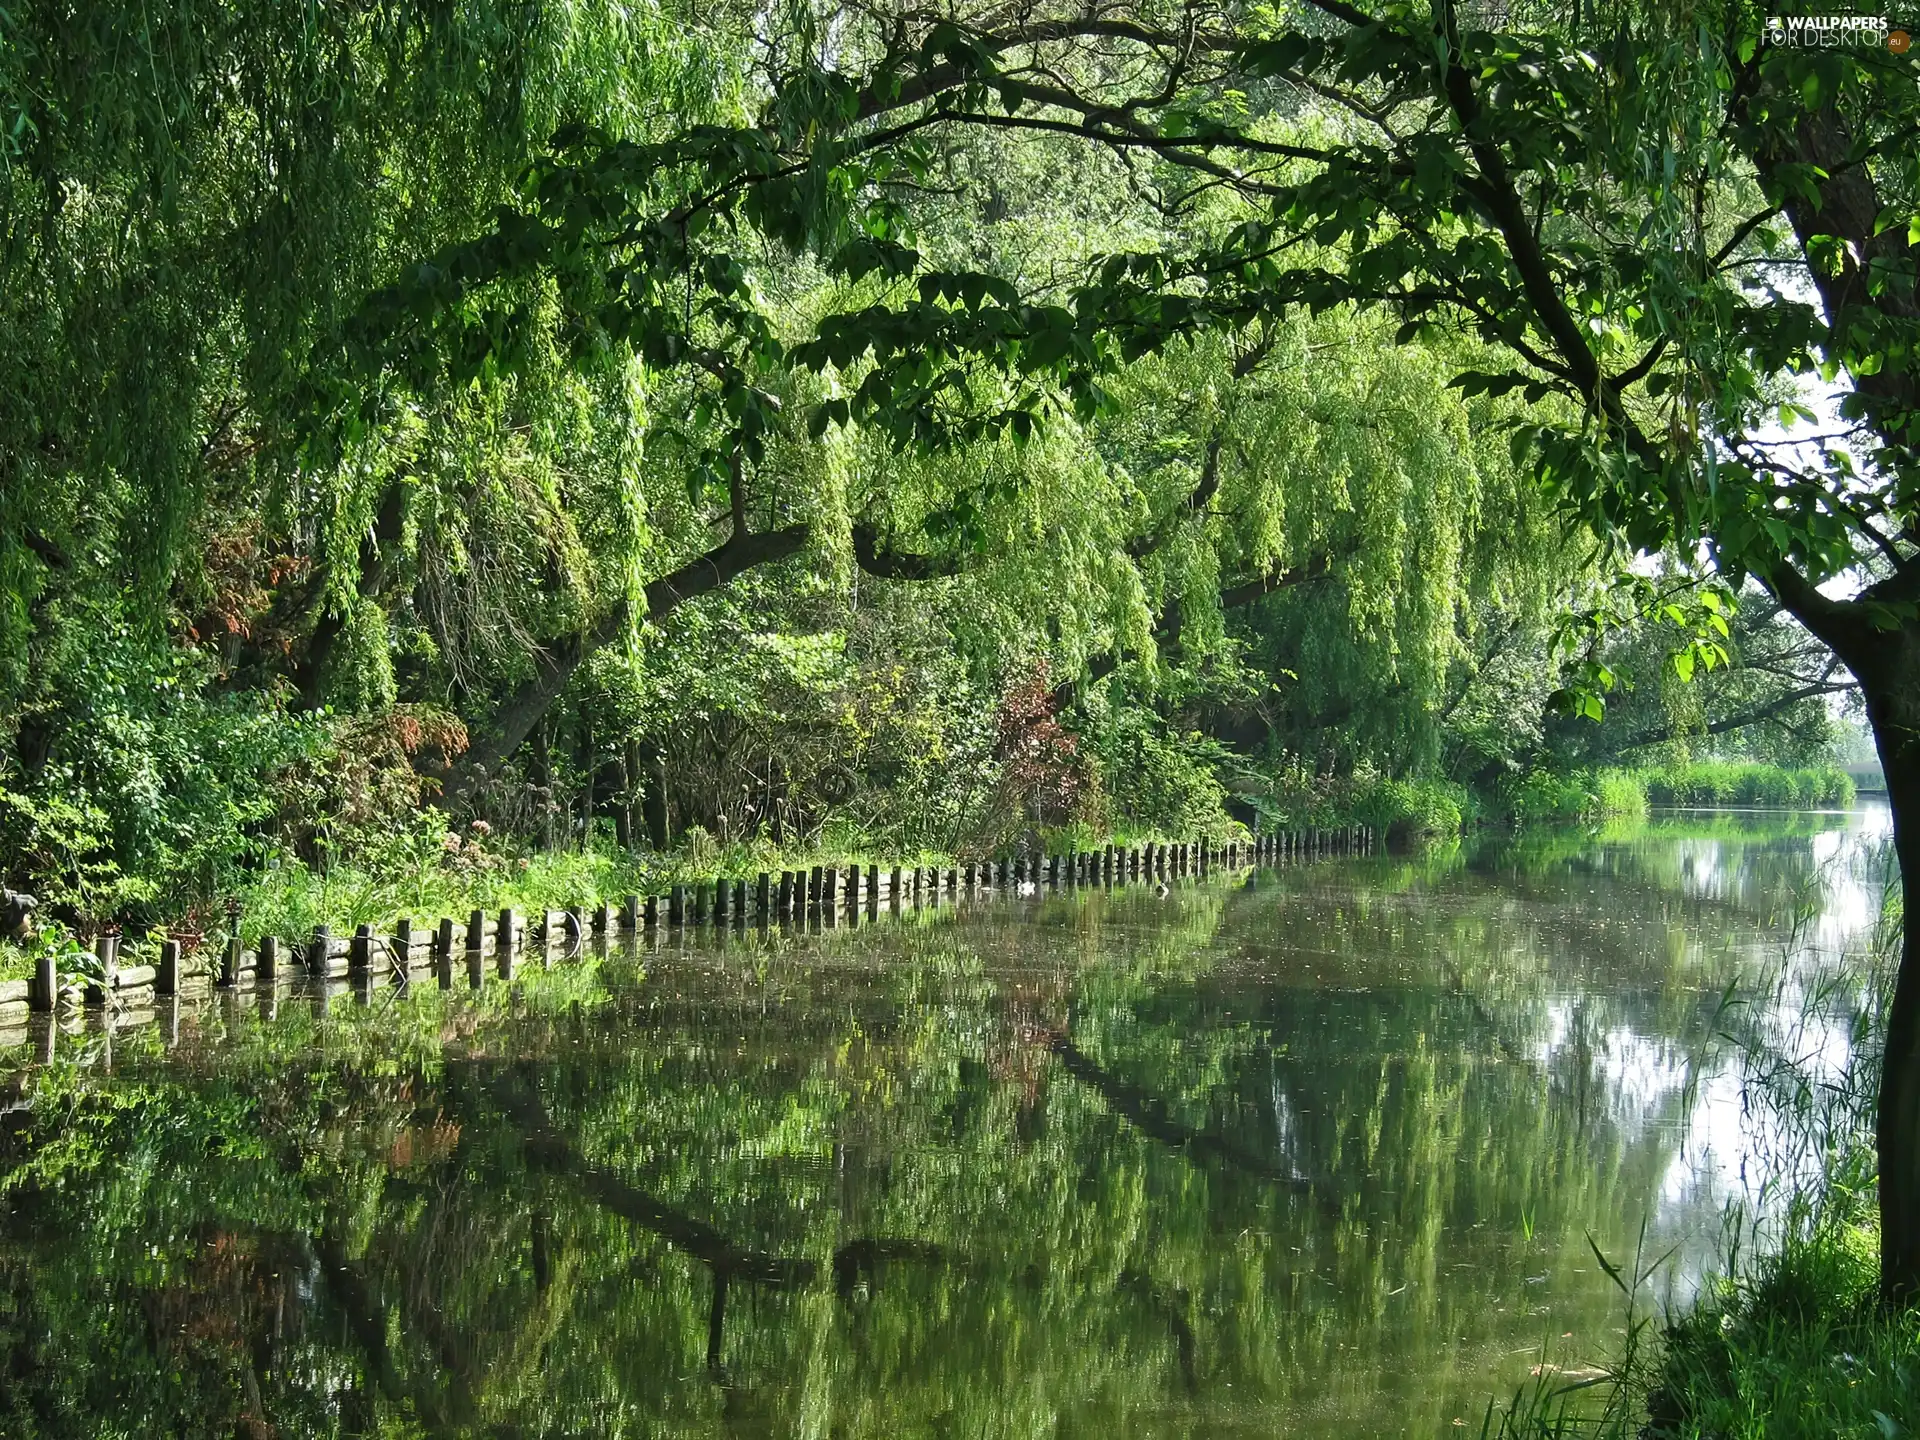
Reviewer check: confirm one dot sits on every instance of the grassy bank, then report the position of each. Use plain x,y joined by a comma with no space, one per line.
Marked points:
1792,1342
1544,797
1769,786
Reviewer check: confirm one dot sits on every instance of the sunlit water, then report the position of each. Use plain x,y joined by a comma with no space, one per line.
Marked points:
1308,1151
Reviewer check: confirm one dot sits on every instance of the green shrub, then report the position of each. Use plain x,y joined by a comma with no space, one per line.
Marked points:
1161,781
1405,810
1547,797
1717,782
154,789
1800,1348
1618,794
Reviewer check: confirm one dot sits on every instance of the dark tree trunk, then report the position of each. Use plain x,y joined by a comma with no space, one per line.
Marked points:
588,772
377,548
653,803
522,710
623,807
1886,662
1891,682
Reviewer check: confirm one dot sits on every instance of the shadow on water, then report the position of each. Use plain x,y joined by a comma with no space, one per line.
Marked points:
1309,1150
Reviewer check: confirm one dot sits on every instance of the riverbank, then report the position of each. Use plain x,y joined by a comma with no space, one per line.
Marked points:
428,868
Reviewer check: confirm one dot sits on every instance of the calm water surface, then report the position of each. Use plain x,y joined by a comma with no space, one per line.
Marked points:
1312,1151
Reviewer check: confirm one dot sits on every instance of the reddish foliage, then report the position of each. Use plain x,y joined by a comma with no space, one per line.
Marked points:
1042,769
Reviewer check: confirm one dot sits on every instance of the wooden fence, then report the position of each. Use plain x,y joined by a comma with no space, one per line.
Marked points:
823,894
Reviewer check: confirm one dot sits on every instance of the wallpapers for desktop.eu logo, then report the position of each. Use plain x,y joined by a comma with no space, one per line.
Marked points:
1803,31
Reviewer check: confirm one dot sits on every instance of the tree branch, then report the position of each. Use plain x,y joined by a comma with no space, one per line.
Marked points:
516,717
1759,714
896,564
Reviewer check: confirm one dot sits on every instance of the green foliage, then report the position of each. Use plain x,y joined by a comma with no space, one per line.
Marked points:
1545,796
152,786
1800,1347
1161,781
1720,783
1405,810
433,398
1289,795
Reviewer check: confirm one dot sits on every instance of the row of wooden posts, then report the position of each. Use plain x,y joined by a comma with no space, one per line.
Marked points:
824,893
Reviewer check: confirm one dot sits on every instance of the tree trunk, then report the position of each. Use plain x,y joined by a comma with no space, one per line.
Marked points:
589,772
377,548
1886,662
627,775
653,802
1891,682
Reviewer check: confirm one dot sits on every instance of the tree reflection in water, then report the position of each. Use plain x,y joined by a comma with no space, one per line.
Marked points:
1320,1150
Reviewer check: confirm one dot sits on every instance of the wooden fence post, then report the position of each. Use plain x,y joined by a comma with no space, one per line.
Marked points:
106,949
44,991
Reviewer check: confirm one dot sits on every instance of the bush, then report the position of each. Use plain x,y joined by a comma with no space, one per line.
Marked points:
1404,810
154,788
1158,780
1546,797
1618,794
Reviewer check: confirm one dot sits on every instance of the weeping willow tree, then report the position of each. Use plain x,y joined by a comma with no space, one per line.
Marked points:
1660,227
1355,528
190,199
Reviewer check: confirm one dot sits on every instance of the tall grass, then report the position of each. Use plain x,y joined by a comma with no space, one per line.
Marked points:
1792,1340
1716,782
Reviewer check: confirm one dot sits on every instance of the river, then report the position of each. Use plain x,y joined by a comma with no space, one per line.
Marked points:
1328,1150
